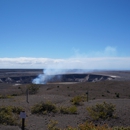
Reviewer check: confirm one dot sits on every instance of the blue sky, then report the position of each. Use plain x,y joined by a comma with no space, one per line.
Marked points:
41,33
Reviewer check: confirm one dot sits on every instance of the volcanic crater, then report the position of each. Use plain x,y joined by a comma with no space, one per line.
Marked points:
62,78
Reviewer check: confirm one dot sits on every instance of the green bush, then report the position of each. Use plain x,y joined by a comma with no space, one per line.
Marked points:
6,116
78,99
9,115
5,96
52,125
72,109
43,108
85,126
68,110
103,111
17,110
91,126
2,97
33,88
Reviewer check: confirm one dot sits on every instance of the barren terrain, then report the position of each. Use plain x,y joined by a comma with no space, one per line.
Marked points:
100,85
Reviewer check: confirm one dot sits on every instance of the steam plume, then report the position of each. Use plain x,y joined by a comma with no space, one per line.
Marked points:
49,74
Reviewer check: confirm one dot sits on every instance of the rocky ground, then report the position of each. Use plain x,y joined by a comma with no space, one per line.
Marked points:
61,94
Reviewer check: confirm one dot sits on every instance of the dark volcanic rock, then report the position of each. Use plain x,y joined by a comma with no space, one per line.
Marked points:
24,79
78,78
27,76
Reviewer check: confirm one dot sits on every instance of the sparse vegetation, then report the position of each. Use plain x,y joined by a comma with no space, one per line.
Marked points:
68,110
5,96
17,110
14,94
84,126
116,92
91,126
43,108
121,128
33,88
77,100
103,111
9,115
52,125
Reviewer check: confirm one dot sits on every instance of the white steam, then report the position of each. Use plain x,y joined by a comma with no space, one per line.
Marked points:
49,74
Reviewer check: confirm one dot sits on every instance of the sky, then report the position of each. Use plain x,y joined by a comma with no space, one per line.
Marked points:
82,34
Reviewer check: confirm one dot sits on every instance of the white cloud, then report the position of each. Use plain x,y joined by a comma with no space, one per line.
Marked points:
106,59
110,51
107,52
71,63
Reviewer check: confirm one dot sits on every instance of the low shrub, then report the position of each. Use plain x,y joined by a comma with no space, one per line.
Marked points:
103,111
17,110
33,88
68,110
14,94
85,126
78,99
9,115
43,108
72,110
91,126
5,96
6,116
52,125
121,128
